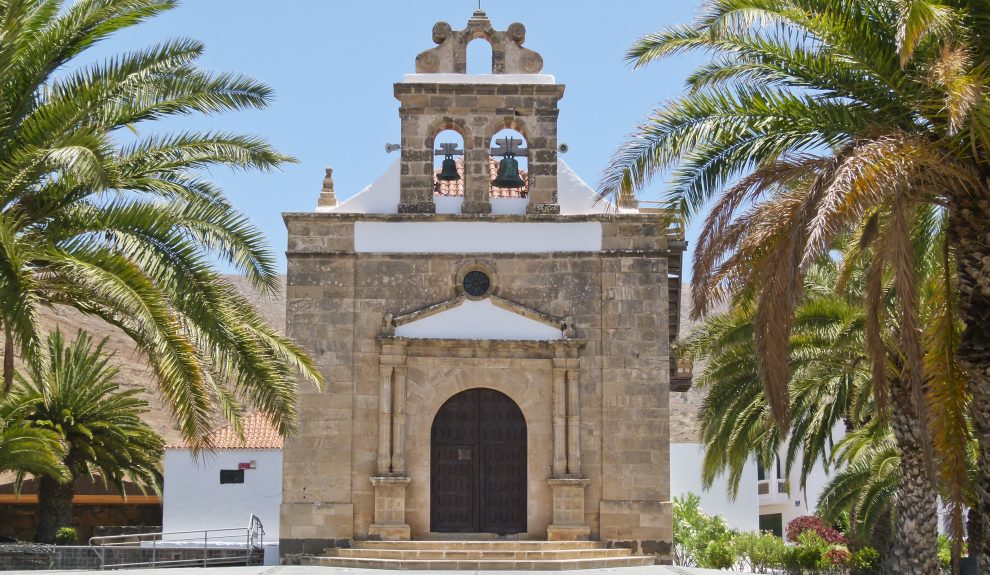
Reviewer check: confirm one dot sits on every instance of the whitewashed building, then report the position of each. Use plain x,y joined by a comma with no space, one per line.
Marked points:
222,488
767,500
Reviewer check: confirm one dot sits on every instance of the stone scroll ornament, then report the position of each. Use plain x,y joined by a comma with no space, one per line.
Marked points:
450,55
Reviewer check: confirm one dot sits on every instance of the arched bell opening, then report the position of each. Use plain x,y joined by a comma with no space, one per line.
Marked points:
508,165
478,465
479,56
448,171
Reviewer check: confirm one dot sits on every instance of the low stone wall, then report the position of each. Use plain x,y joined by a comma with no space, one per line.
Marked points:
32,556
18,520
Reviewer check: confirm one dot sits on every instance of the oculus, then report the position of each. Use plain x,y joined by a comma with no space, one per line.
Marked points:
476,283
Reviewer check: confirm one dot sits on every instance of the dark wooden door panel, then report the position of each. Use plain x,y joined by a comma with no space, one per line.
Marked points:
453,495
503,489
478,465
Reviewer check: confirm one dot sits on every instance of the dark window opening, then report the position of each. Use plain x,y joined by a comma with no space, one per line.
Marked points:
231,476
773,523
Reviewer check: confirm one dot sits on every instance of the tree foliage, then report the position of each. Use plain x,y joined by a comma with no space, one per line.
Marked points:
101,214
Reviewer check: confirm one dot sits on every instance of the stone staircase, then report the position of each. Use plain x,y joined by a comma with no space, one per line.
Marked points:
476,555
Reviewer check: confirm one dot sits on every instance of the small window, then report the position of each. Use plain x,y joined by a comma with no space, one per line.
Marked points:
477,283
773,523
231,476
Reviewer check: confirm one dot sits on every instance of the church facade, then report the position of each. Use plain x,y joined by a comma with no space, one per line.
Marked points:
496,363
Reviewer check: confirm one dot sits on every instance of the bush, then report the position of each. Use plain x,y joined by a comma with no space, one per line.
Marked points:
717,555
837,557
759,551
806,523
865,561
694,531
66,536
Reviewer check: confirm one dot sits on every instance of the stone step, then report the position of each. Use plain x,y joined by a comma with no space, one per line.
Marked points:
480,564
478,554
472,545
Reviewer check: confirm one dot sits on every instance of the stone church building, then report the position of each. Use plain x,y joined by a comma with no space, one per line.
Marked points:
497,359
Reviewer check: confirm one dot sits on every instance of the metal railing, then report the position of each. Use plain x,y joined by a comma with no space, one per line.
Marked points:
181,548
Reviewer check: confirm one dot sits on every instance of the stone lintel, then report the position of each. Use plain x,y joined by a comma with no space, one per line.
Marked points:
498,218
486,347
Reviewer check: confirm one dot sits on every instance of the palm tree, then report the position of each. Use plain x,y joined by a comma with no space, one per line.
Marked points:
36,451
865,484
76,398
120,225
830,384
870,114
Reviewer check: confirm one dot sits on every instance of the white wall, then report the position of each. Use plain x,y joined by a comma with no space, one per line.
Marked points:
685,476
478,320
194,499
476,237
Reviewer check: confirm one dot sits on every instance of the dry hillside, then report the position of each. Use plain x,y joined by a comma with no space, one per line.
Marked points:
134,369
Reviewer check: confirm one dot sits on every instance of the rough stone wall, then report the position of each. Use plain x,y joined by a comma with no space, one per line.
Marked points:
17,520
477,112
336,301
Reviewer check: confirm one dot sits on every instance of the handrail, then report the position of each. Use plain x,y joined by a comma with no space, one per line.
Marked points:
253,537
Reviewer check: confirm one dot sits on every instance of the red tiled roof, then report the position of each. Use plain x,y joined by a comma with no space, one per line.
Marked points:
258,434
456,188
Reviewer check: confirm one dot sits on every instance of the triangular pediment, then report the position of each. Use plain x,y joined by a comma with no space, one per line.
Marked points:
492,318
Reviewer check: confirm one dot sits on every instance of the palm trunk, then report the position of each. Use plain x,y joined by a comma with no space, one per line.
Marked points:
54,508
8,362
975,537
969,235
914,550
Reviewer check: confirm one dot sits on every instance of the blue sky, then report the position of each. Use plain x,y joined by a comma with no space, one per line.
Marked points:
332,65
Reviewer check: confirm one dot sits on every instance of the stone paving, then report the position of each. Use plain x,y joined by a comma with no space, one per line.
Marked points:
314,570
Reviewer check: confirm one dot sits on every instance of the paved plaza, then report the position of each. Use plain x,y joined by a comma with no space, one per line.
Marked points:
314,570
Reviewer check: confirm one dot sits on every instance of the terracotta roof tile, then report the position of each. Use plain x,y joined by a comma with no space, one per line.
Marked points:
258,434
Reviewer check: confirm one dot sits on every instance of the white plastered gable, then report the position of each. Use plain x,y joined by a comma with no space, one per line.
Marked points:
491,318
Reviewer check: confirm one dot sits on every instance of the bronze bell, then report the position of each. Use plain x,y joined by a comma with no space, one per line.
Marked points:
508,174
448,171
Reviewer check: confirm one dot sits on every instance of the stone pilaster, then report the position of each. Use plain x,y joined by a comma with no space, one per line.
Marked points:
559,421
390,509
399,421
385,421
573,422
568,510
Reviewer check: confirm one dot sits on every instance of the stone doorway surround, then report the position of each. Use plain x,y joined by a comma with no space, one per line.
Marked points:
419,375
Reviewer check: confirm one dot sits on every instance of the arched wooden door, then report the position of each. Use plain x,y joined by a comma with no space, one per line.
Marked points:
478,465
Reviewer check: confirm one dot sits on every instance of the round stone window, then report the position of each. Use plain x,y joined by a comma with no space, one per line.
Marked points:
476,283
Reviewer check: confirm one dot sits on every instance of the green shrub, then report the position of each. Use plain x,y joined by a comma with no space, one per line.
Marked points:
865,561
694,530
718,554
66,536
759,551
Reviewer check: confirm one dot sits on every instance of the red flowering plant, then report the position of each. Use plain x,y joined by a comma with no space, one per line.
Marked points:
838,556
799,525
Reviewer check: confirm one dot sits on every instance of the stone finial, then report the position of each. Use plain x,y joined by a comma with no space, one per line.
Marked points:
327,197
450,56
